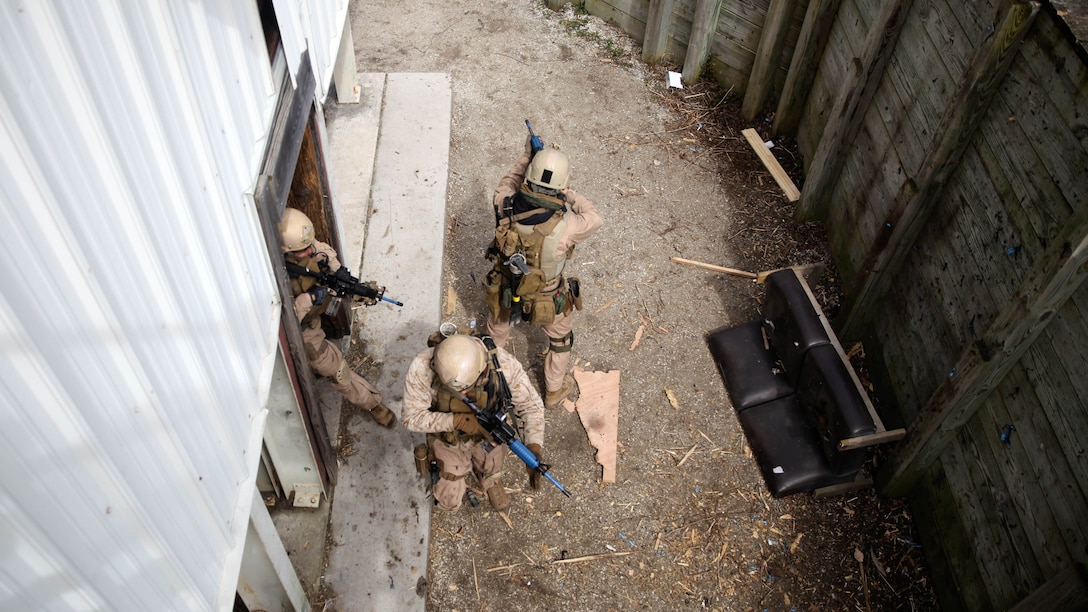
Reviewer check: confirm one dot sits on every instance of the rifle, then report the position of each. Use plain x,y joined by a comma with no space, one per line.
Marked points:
535,143
497,424
343,284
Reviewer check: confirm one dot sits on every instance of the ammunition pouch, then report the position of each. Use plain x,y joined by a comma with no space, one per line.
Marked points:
539,308
336,319
496,294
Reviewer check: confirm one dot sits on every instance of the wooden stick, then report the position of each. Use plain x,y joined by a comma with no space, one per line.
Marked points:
475,580
792,193
687,455
591,557
706,266
507,519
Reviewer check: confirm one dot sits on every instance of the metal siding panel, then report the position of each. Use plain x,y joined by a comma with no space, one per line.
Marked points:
327,23
138,334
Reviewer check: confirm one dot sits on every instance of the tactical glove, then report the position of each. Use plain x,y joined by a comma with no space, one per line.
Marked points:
468,424
318,294
534,475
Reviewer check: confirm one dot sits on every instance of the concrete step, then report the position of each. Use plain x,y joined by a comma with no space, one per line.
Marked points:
380,515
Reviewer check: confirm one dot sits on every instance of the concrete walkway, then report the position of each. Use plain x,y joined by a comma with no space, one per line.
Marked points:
390,163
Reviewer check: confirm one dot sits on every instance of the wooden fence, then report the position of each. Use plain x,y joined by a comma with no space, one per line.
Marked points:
945,146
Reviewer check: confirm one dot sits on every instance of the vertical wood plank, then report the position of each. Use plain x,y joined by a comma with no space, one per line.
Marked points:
917,198
765,67
850,106
702,31
1061,493
815,32
1028,524
949,551
655,41
972,482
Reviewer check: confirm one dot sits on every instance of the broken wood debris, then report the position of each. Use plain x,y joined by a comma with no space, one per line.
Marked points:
672,400
598,409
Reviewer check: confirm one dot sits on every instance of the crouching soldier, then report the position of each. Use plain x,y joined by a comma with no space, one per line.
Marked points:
440,382
311,300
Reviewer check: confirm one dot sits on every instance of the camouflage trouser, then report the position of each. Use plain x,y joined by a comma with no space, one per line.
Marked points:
326,360
560,337
456,462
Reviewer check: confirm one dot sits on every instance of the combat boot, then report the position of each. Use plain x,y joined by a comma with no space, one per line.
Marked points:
383,416
496,493
553,399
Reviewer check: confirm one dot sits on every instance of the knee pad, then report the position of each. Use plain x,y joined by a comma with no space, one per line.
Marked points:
343,373
561,345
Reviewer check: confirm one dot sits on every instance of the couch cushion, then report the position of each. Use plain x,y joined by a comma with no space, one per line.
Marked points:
750,371
786,448
793,325
828,392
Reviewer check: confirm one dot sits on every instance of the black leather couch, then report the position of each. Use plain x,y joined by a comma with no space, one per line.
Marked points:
798,400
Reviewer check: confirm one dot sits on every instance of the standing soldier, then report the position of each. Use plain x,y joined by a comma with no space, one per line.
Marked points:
539,220
311,300
440,381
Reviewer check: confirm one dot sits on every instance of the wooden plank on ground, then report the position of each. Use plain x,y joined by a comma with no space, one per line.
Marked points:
772,165
599,410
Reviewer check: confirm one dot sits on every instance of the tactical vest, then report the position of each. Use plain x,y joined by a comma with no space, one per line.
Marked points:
301,284
539,242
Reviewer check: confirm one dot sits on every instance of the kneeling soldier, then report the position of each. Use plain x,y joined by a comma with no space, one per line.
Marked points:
439,381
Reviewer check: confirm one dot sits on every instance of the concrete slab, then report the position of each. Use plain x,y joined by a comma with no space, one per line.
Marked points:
352,131
380,516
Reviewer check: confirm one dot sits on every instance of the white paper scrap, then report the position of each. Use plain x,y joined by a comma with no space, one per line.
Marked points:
778,470
769,144
674,80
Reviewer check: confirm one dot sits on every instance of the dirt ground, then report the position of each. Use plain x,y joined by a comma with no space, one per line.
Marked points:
688,523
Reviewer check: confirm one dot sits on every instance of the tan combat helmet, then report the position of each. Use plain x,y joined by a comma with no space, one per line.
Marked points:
296,230
550,170
459,360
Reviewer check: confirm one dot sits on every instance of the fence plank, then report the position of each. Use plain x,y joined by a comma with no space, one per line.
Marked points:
852,104
702,31
657,31
917,198
1056,275
760,82
819,18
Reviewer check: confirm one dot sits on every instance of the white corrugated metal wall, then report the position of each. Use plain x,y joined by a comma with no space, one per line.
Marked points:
320,25
138,308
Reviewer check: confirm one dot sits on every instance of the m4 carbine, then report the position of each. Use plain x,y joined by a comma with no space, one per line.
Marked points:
342,284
